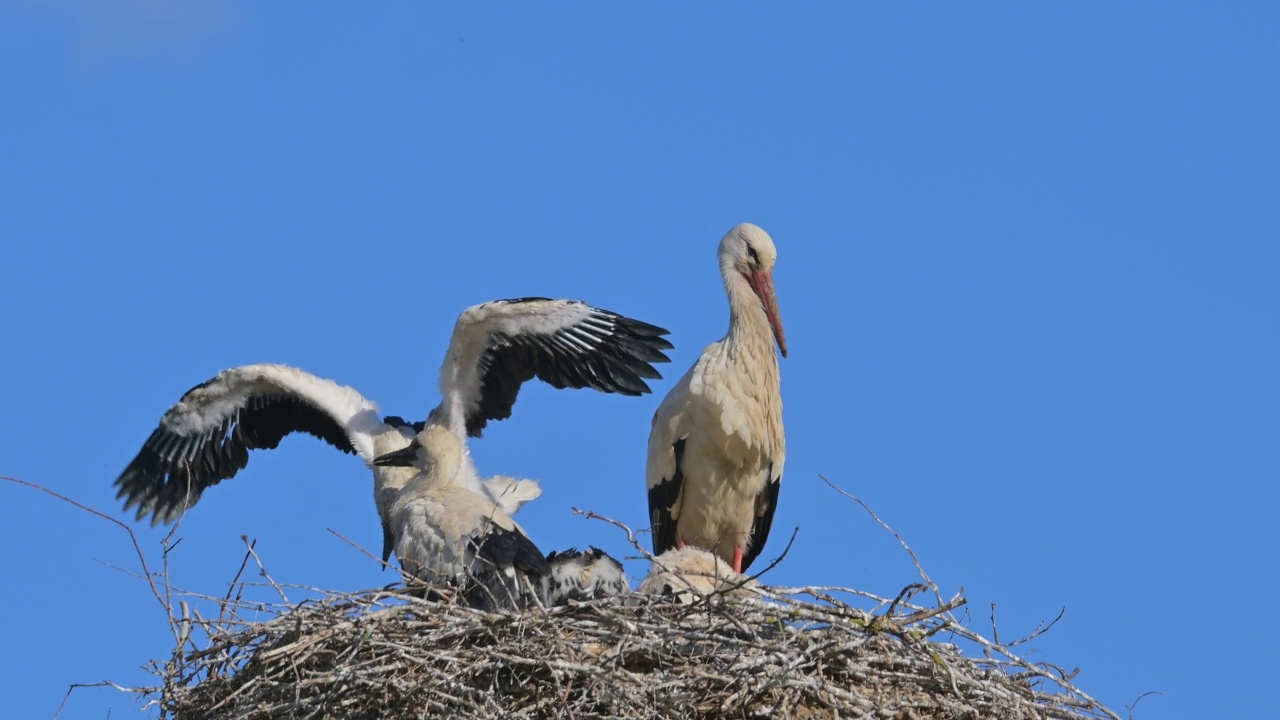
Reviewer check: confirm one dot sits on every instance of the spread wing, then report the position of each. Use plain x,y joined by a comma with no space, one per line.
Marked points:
206,437
498,346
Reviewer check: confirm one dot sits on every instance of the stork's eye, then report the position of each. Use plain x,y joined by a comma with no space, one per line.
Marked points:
755,257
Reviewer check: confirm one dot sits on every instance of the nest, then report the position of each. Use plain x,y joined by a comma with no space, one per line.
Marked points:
742,651
785,653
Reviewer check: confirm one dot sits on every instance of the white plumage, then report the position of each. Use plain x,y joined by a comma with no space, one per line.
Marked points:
686,574
717,449
444,532
496,347
579,575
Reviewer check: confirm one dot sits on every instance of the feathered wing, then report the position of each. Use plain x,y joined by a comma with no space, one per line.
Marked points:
664,497
664,478
206,437
766,503
498,346
577,575
507,568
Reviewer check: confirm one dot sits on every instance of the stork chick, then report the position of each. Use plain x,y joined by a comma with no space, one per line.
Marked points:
445,532
688,573
578,575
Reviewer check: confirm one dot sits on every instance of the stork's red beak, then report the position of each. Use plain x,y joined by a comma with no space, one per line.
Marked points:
762,284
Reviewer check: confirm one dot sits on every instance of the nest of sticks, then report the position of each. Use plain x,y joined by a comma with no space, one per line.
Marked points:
751,652
744,651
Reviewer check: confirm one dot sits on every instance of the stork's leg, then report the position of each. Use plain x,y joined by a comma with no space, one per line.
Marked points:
737,559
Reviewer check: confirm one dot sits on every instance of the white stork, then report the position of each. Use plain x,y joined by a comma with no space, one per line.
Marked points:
497,346
578,575
717,449
684,574
445,532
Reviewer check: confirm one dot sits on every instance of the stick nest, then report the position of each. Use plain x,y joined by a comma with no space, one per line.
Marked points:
797,653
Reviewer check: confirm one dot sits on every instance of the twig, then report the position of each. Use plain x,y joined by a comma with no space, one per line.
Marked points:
906,620
142,559
919,568
250,545
1132,707
359,547
1041,629
995,632
104,683
777,560
631,536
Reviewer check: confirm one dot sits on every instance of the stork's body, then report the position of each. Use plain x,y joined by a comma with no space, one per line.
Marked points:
495,348
717,448
445,532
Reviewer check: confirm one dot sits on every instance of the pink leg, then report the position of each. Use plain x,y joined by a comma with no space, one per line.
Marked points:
737,559
679,543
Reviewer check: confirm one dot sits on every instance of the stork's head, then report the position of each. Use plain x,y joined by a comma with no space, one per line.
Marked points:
435,450
747,250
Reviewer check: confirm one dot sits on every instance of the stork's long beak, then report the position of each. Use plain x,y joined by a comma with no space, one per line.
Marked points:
762,284
400,458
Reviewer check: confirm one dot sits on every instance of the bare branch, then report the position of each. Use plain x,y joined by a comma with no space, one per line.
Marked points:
142,559
262,570
1134,705
360,548
919,568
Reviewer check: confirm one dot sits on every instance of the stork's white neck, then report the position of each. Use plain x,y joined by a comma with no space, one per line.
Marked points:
448,467
451,413
749,329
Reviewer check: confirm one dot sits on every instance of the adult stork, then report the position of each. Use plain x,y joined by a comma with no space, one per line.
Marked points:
716,449
496,347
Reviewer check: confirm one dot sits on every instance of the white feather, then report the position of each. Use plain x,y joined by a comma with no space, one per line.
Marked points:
205,408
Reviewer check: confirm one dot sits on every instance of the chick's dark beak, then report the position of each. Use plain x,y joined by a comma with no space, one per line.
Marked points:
400,458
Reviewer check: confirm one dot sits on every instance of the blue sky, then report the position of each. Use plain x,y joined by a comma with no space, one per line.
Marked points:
1027,272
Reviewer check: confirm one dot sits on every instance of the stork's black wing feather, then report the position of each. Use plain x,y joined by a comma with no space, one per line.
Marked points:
501,548
175,466
602,350
398,422
766,503
501,558
662,497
